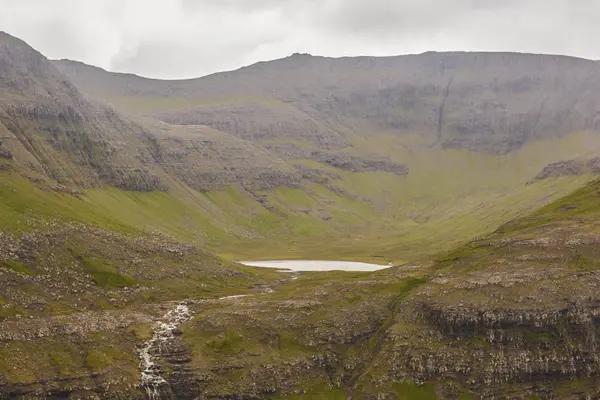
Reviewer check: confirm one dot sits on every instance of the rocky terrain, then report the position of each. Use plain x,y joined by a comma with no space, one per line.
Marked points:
570,167
510,316
488,102
116,191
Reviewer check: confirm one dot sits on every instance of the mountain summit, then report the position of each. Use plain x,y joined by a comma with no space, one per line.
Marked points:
125,200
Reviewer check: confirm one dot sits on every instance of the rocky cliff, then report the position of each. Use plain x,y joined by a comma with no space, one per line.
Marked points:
107,289
510,316
487,102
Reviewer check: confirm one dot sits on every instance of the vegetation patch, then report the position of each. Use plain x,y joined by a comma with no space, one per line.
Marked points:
103,273
410,391
16,266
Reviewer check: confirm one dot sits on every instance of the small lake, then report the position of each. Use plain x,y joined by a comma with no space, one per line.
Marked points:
315,265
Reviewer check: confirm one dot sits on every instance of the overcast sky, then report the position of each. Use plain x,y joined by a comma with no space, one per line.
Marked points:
190,38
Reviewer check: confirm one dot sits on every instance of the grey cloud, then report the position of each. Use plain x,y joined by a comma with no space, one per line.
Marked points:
187,38
382,16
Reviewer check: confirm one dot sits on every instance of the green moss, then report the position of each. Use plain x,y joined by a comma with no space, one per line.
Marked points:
142,332
410,391
465,395
229,343
102,272
290,346
356,298
103,357
317,390
65,359
16,266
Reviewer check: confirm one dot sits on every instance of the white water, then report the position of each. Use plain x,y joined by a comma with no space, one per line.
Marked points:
163,332
316,265
151,378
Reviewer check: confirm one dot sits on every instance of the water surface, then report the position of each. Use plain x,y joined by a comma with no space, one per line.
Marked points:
315,265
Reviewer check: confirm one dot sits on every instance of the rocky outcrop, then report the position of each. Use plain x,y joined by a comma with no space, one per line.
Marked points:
570,167
486,102
340,160
258,122
206,159
48,128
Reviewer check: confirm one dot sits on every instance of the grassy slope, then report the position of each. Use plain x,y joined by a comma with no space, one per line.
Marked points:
448,198
387,218
545,262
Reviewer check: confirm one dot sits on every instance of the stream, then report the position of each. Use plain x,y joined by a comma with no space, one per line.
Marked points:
164,331
152,379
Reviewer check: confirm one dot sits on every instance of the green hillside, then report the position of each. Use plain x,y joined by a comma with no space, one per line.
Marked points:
125,201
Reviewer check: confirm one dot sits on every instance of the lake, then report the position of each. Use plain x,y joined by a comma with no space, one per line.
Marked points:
315,265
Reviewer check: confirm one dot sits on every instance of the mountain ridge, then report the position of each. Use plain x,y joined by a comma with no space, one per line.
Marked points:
457,100
67,61
110,218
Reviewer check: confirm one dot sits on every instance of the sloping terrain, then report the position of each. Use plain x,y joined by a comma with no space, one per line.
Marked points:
116,191
488,102
513,315
460,132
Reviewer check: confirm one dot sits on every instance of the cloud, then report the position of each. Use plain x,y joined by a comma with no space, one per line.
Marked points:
188,38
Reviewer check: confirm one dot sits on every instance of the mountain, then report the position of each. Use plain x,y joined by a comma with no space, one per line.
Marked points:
122,200
513,315
463,130
487,102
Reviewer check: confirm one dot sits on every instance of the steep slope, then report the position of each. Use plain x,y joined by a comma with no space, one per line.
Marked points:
106,218
49,128
513,315
489,102
463,132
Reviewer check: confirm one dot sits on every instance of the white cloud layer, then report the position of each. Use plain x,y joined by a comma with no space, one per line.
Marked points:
189,38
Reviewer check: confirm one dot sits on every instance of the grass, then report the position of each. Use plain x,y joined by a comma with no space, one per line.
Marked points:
230,343
317,390
52,358
410,391
103,273
581,204
16,266
577,213
384,217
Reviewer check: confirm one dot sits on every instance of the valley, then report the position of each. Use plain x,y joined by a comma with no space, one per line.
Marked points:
464,183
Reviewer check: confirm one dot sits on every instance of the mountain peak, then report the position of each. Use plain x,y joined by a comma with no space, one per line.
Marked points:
5,38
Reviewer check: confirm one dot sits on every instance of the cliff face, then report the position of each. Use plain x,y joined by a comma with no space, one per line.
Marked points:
487,102
570,167
512,315
49,128
308,144
207,159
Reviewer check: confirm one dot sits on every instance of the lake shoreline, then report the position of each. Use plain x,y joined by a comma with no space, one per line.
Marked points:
316,265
